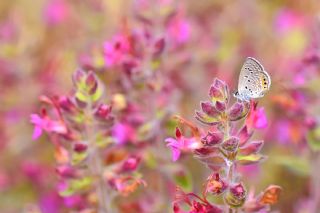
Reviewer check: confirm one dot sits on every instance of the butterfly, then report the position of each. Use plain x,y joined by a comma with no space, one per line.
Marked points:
254,81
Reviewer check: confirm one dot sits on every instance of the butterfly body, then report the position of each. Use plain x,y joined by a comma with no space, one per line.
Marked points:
254,81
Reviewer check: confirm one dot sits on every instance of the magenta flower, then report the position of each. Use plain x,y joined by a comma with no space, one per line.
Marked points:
179,29
116,50
46,124
257,118
123,133
181,144
195,203
56,11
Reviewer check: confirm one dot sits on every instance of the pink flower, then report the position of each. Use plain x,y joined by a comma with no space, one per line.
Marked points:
46,124
179,30
123,133
195,203
181,144
116,50
287,20
257,118
130,164
56,11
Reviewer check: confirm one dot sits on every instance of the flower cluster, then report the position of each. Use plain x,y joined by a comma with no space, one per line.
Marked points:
89,164
221,147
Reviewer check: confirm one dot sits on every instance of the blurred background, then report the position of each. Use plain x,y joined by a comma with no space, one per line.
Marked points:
42,42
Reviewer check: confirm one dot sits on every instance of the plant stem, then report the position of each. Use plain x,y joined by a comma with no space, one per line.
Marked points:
96,166
315,182
101,187
230,163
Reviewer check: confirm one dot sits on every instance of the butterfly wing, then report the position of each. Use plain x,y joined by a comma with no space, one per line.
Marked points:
254,81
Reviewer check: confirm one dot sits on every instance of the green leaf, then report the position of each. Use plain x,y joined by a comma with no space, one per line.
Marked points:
75,186
77,157
103,142
98,93
206,119
313,138
81,96
250,159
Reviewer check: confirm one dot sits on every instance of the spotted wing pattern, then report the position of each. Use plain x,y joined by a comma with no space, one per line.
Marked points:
254,81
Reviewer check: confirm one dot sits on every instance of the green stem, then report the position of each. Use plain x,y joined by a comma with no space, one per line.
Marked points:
95,164
101,188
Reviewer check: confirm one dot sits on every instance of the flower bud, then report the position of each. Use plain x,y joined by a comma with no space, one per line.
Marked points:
215,185
236,195
221,106
237,111
80,147
91,83
131,164
78,76
215,93
230,147
66,171
159,46
103,111
212,138
66,104
219,91
208,108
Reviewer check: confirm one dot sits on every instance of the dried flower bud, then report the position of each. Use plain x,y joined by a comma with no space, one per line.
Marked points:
236,195
212,138
215,185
